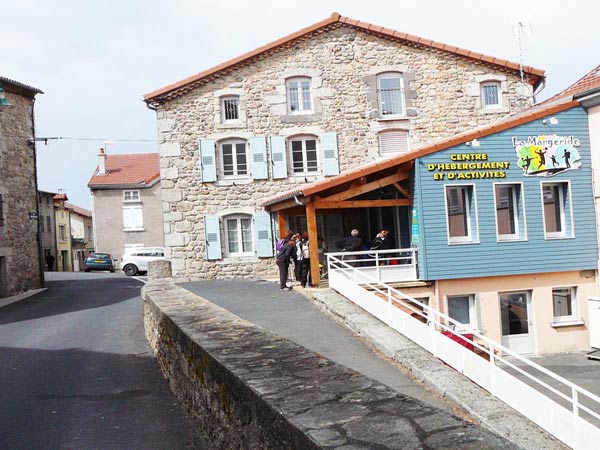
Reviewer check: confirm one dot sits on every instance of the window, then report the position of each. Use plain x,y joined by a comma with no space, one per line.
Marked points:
48,224
390,94
491,96
299,95
555,197
42,224
393,142
460,214
564,304
234,158
131,196
462,309
304,154
230,109
61,233
509,213
89,232
133,218
238,231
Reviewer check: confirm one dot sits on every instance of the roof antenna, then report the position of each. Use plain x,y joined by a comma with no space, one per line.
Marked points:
521,27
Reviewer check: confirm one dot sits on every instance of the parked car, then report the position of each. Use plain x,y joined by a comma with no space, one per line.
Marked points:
99,261
136,260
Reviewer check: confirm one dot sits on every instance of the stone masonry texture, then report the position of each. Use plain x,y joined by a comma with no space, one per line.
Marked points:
19,254
442,90
249,389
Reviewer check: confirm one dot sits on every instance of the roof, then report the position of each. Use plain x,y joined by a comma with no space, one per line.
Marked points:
589,82
78,209
18,87
137,169
185,85
62,196
534,113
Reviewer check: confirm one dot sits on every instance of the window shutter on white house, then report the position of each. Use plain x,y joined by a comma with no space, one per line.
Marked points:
133,218
264,241
329,153
207,160
212,233
393,142
258,149
278,157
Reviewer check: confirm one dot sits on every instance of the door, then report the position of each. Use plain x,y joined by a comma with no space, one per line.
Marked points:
515,313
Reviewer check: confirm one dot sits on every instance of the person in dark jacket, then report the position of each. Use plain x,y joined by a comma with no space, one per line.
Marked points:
382,242
284,257
352,243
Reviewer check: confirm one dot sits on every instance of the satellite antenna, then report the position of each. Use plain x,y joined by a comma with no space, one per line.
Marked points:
521,27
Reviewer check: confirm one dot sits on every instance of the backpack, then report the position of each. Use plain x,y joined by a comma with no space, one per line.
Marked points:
280,244
280,252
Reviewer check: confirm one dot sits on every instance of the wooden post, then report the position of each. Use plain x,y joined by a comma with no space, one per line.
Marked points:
313,246
281,224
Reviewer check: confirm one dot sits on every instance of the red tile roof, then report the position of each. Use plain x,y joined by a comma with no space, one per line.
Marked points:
180,87
510,122
588,82
78,209
62,196
130,169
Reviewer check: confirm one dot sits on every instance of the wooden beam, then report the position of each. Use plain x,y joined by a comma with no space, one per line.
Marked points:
282,225
313,244
402,190
373,185
325,204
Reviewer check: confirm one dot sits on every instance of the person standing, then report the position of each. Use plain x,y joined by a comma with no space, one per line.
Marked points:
382,242
351,243
284,257
305,261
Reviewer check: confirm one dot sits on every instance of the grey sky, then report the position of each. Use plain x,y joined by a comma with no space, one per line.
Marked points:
95,60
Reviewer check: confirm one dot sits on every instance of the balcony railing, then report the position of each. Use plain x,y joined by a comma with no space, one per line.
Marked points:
384,266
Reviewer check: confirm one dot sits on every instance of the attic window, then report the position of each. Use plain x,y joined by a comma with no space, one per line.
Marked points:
131,196
491,94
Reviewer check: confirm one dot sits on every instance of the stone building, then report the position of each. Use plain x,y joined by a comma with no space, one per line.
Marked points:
20,262
47,228
321,101
126,202
64,248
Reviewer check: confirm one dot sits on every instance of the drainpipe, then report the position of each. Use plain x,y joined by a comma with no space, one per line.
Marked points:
37,203
298,202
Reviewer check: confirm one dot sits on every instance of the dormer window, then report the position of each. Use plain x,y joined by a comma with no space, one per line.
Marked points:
230,109
491,94
390,94
299,95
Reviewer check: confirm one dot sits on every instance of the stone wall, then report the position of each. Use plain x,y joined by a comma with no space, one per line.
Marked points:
19,254
442,90
246,388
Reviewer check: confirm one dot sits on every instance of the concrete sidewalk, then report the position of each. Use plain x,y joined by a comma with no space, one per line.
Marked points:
298,316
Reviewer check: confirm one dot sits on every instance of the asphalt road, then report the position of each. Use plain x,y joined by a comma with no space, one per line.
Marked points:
76,372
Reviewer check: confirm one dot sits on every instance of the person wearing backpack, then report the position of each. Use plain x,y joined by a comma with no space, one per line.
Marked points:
304,261
281,242
283,258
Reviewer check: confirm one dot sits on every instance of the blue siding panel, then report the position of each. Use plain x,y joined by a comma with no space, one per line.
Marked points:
488,257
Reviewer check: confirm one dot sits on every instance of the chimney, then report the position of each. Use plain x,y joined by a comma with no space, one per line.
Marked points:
102,162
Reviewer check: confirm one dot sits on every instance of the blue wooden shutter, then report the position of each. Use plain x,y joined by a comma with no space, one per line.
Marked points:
264,242
212,233
207,160
329,152
258,149
278,157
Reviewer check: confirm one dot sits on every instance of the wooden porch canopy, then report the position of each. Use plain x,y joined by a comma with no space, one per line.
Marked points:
344,190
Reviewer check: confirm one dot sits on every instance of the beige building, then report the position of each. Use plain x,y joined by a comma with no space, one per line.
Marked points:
47,228
20,261
319,102
64,249
126,202
82,240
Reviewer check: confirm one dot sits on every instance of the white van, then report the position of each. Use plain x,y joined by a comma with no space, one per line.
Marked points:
135,260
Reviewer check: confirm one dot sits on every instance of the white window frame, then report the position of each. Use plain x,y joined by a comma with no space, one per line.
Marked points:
293,87
239,237
303,138
518,213
487,84
570,319
470,204
130,196
225,108
473,324
236,165
566,231
133,226
380,95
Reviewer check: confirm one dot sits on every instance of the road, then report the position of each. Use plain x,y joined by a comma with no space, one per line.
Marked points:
76,371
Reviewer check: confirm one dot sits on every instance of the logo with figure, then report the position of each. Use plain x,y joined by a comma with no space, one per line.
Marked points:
547,155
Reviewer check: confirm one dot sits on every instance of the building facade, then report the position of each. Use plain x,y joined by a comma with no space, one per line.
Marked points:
126,202
312,105
82,232
47,229
64,249
20,262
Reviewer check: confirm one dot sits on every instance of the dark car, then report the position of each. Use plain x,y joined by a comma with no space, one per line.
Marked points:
99,261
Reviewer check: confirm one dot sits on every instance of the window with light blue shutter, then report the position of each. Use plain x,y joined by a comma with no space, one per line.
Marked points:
264,242
207,160
258,149
278,157
329,152
212,235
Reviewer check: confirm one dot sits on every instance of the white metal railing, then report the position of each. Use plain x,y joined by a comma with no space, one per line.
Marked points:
388,266
564,409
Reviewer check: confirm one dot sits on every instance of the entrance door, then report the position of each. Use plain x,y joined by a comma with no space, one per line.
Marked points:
515,310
